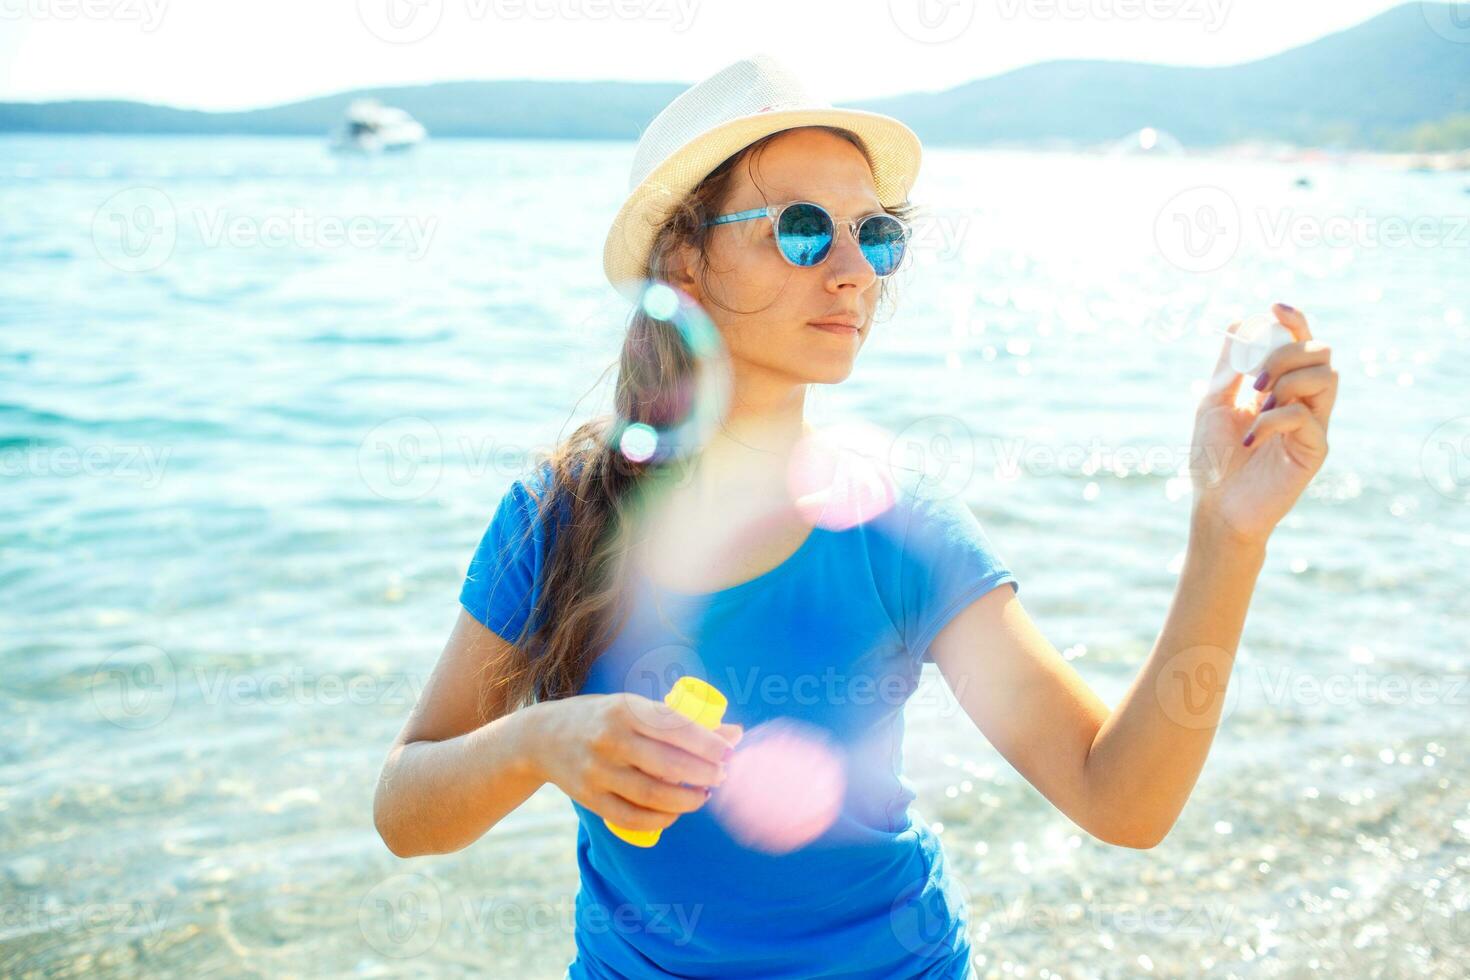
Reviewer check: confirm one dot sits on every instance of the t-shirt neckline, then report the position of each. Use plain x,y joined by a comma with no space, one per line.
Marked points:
741,588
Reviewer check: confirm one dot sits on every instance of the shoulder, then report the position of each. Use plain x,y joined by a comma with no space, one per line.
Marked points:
533,486
937,531
531,498
922,510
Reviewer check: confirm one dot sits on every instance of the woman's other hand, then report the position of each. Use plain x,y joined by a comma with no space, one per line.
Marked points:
624,756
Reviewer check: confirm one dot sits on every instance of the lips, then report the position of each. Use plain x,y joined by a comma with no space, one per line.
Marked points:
837,328
849,320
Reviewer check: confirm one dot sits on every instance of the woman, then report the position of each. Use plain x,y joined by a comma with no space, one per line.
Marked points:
574,626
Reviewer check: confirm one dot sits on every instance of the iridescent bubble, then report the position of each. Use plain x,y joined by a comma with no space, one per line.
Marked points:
639,442
785,786
660,301
839,475
676,381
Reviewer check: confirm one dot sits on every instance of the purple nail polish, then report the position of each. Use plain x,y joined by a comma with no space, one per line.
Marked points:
1289,309
1250,439
1269,403
1261,381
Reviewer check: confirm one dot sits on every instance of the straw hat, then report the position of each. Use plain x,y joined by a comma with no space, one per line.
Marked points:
716,118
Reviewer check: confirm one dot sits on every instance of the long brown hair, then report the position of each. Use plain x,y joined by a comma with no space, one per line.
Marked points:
580,609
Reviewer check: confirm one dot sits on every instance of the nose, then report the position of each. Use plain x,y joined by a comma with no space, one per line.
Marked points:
847,266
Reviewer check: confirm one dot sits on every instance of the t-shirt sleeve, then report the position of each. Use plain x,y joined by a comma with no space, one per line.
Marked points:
501,585
947,562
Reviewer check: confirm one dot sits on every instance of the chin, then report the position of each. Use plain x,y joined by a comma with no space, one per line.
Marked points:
829,374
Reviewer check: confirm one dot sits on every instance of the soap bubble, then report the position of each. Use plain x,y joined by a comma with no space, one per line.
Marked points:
671,420
840,475
785,786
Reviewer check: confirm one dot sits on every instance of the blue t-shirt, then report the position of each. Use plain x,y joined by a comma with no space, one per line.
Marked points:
834,637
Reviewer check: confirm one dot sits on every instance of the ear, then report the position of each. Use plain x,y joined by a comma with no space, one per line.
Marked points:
683,266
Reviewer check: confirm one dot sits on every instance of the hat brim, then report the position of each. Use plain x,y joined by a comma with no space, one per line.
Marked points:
893,151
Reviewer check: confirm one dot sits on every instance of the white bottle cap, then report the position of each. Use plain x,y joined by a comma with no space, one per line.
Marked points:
1254,340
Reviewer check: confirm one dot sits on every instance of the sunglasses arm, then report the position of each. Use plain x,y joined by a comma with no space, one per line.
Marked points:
766,212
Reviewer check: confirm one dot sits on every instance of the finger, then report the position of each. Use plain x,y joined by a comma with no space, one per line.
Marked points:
1294,420
630,816
731,733
1224,380
1292,319
657,720
673,765
1292,357
641,789
1313,387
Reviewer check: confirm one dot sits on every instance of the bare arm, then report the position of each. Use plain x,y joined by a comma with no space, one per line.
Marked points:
451,774
1124,775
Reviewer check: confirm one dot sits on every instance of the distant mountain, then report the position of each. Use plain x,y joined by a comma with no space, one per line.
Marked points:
1361,87
520,109
1369,85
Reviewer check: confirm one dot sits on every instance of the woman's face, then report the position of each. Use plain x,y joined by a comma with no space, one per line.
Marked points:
762,304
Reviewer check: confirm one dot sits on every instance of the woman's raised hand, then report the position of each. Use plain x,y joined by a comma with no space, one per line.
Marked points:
1250,464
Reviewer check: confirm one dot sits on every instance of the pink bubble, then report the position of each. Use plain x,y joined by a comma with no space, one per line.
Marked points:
784,789
839,476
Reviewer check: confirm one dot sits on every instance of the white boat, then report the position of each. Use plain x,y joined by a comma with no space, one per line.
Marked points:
371,127
1147,141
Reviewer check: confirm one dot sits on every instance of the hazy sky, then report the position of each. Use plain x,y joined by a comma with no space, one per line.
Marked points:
239,54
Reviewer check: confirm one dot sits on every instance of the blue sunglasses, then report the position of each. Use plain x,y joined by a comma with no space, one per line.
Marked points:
805,233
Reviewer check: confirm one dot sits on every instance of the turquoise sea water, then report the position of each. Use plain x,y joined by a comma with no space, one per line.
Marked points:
258,403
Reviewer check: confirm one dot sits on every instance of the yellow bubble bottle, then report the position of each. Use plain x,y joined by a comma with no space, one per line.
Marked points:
701,703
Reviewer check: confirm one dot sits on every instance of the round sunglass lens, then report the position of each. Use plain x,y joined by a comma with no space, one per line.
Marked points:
804,234
882,239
